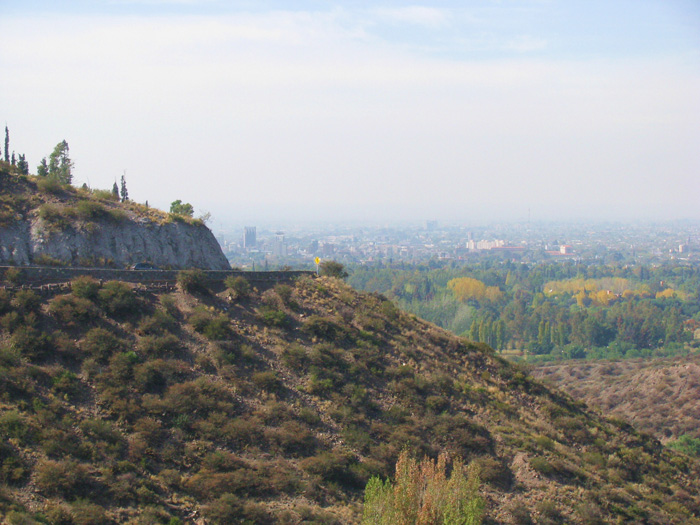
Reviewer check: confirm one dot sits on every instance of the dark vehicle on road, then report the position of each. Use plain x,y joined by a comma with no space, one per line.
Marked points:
144,266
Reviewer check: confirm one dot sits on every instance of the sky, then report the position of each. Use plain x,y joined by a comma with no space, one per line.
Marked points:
263,111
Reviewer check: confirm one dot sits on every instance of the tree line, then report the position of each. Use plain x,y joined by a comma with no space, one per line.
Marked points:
551,310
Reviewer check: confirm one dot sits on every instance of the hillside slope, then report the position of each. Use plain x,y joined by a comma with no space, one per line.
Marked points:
123,406
45,223
658,396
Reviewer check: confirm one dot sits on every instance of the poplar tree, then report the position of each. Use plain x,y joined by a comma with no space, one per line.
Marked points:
7,144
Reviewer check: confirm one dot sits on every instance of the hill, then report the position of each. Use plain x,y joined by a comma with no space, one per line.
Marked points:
44,222
658,396
223,404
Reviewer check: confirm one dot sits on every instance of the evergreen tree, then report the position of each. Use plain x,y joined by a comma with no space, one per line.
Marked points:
23,165
43,168
7,144
115,190
60,164
13,160
125,193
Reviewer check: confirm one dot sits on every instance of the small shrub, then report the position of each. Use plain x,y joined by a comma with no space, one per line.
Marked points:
118,298
72,311
101,344
159,346
157,324
30,342
541,465
268,381
332,269
49,185
273,317
88,210
239,285
85,287
322,327
13,275
192,281
63,478
26,301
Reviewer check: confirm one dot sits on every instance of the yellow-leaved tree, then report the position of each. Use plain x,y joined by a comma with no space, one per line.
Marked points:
423,494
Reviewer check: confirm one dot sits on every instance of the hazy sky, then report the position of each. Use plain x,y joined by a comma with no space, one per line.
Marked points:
268,110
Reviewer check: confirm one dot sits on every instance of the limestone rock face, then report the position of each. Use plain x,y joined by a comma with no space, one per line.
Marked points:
129,241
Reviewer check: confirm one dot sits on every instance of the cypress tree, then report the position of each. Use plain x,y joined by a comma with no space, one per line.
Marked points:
115,190
7,144
125,193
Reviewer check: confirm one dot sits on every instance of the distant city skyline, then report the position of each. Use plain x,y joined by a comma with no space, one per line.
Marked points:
365,111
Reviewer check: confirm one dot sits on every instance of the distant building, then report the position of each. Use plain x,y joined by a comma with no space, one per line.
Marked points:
565,249
249,237
279,247
431,225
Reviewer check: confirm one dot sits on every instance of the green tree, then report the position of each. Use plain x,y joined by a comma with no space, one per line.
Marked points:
60,164
125,193
332,269
181,208
23,165
7,144
115,190
423,493
43,168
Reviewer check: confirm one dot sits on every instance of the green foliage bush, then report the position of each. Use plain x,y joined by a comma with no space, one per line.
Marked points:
117,298
160,345
30,342
272,317
322,327
101,344
332,269
72,311
66,478
239,285
192,281
214,326
26,301
159,323
85,287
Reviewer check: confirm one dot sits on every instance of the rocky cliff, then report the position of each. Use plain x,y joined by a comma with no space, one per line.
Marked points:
86,228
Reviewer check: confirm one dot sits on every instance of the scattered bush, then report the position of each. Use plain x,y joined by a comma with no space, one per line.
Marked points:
273,317
332,269
85,287
159,346
30,342
192,281
214,326
63,478
72,311
26,301
117,298
268,381
101,344
239,285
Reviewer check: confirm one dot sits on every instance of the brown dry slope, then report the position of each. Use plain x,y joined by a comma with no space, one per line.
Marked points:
276,407
659,396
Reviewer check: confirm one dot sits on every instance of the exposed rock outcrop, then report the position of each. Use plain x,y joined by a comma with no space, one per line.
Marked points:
128,241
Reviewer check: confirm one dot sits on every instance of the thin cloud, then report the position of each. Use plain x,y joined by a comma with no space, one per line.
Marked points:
429,17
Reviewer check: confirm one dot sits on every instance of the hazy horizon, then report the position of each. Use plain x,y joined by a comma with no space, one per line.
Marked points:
359,111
